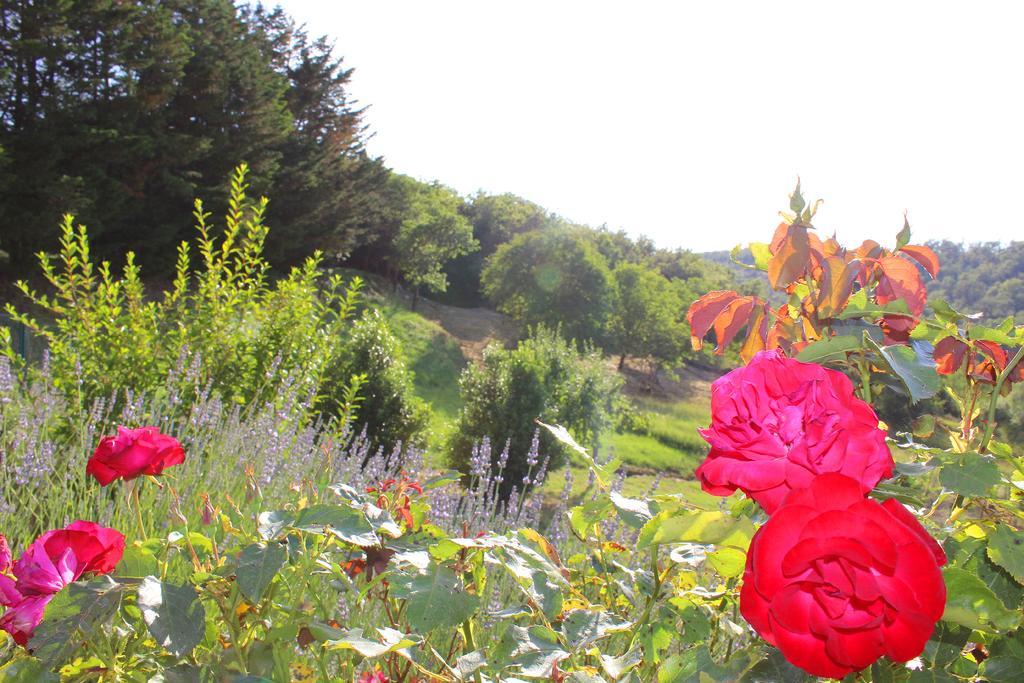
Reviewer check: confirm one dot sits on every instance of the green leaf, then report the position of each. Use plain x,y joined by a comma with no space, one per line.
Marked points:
970,475
833,348
970,603
348,524
728,562
761,253
903,236
693,665
583,517
353,639
139,560
775,669
913,366
1006,548
859,307
539,579
435,599
74,616
582,627
271,524
26,670
944,312
258,564
696,527
616,667
535,650
174,615
634,513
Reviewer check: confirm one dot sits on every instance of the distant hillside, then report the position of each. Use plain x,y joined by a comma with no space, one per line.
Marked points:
986,278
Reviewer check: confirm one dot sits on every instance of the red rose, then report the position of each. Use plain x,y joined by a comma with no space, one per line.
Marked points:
51,562
777,423
134,452
835,580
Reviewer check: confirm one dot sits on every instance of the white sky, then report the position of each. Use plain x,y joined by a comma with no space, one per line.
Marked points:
689,122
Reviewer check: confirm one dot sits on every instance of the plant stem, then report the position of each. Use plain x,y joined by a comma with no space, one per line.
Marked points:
467,631
138,510
990,423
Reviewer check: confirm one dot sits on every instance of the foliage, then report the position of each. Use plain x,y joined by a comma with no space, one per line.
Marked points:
645,321
496,219
543,378
985,278
388,409
237,334
431,233
552,277
122,112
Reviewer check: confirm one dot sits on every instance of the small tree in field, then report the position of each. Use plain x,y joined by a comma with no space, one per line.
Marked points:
645,319
432,232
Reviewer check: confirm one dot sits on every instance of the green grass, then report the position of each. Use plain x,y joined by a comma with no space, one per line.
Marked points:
436,362
669,441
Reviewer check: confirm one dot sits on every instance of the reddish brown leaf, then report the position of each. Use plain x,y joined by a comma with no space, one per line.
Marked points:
836,286
781,230
869,249
897,328
757,334
899,279
731,321
791,259
928,259
993,351
704,311
831,247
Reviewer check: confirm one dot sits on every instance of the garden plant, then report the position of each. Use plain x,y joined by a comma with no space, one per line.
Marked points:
815,542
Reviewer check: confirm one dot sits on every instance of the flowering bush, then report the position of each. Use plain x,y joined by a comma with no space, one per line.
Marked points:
325,561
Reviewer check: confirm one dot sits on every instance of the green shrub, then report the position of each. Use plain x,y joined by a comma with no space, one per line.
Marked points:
223,326
544,378
388,409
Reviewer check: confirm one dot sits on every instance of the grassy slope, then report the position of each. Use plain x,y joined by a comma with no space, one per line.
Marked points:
668,443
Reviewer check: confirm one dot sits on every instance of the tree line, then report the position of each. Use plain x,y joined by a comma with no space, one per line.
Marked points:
123,113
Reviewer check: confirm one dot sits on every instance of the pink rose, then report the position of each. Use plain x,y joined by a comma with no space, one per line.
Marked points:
777,423
835,580
51,562
133,452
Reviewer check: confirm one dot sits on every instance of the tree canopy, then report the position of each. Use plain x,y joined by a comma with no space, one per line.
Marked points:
552,277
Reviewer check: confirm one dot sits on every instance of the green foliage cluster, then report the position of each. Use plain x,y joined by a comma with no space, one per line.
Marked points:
986,278
389,409
225,326
121,113
431,233
552,277
544,377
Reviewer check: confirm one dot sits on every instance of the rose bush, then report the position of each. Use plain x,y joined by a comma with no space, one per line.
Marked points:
835,580
777,423
134,452
51,562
